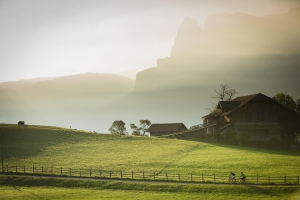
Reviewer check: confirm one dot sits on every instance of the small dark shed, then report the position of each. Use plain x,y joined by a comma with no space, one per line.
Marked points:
22,123
165,129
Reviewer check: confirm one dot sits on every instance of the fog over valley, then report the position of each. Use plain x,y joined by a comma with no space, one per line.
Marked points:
252,53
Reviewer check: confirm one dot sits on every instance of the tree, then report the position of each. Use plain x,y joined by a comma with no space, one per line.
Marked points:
225,93
144,125
136,130
286,100
298,106
118,127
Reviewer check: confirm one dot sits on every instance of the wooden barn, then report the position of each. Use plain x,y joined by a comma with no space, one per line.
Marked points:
257,116
165,129
21,123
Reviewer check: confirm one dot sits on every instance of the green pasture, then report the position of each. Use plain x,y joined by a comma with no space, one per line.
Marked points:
46,188
57,147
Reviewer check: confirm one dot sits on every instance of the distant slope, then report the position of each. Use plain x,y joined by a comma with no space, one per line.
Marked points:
24,82
129,73
64,100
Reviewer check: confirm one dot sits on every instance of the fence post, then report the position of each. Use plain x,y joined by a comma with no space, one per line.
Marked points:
24,169
121,174
70,171
90,172
61,171
132,174
167,175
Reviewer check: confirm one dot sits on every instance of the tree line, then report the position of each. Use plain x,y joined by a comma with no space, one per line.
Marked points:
118,127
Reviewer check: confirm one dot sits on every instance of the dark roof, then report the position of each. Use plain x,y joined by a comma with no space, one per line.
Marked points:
245,99
228,104
174,127
213,113
238,102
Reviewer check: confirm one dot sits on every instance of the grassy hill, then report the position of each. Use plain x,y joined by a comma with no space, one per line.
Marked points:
58,147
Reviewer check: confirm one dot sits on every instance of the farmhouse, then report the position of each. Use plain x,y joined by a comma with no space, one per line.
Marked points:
165,129
21,123
256,117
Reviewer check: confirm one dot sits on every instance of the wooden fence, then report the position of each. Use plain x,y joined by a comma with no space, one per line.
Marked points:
142,175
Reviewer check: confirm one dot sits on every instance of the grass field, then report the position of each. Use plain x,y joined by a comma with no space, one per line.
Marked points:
57,147
37,188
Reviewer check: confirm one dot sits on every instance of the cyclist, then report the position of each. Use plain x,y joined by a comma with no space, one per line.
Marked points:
243,177
232,177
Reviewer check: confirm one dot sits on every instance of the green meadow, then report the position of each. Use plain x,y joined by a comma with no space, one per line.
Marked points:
56,147
45,188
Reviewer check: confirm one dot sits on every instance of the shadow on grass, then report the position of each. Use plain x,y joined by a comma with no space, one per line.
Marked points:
244,148
27,141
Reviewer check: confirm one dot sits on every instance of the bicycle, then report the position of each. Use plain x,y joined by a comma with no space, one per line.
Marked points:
232,179
243,181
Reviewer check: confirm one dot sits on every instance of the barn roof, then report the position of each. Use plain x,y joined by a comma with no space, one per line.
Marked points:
237,103
241,101
228,104
174,127
213,113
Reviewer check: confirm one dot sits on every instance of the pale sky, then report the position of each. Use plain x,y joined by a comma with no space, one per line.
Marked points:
42,38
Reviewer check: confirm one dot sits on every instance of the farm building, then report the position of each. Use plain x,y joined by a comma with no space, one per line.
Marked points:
165,129
258,117
22,123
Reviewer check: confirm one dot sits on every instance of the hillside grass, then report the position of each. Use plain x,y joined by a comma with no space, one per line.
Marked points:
58,147
39,188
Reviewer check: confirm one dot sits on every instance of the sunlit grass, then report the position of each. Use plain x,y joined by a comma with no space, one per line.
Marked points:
37,188
57,147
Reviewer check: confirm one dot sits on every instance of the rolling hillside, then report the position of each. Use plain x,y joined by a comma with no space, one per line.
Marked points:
58,147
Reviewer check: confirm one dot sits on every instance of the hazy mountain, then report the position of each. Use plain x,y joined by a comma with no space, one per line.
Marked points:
24,82
129,73
64,100
250,54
